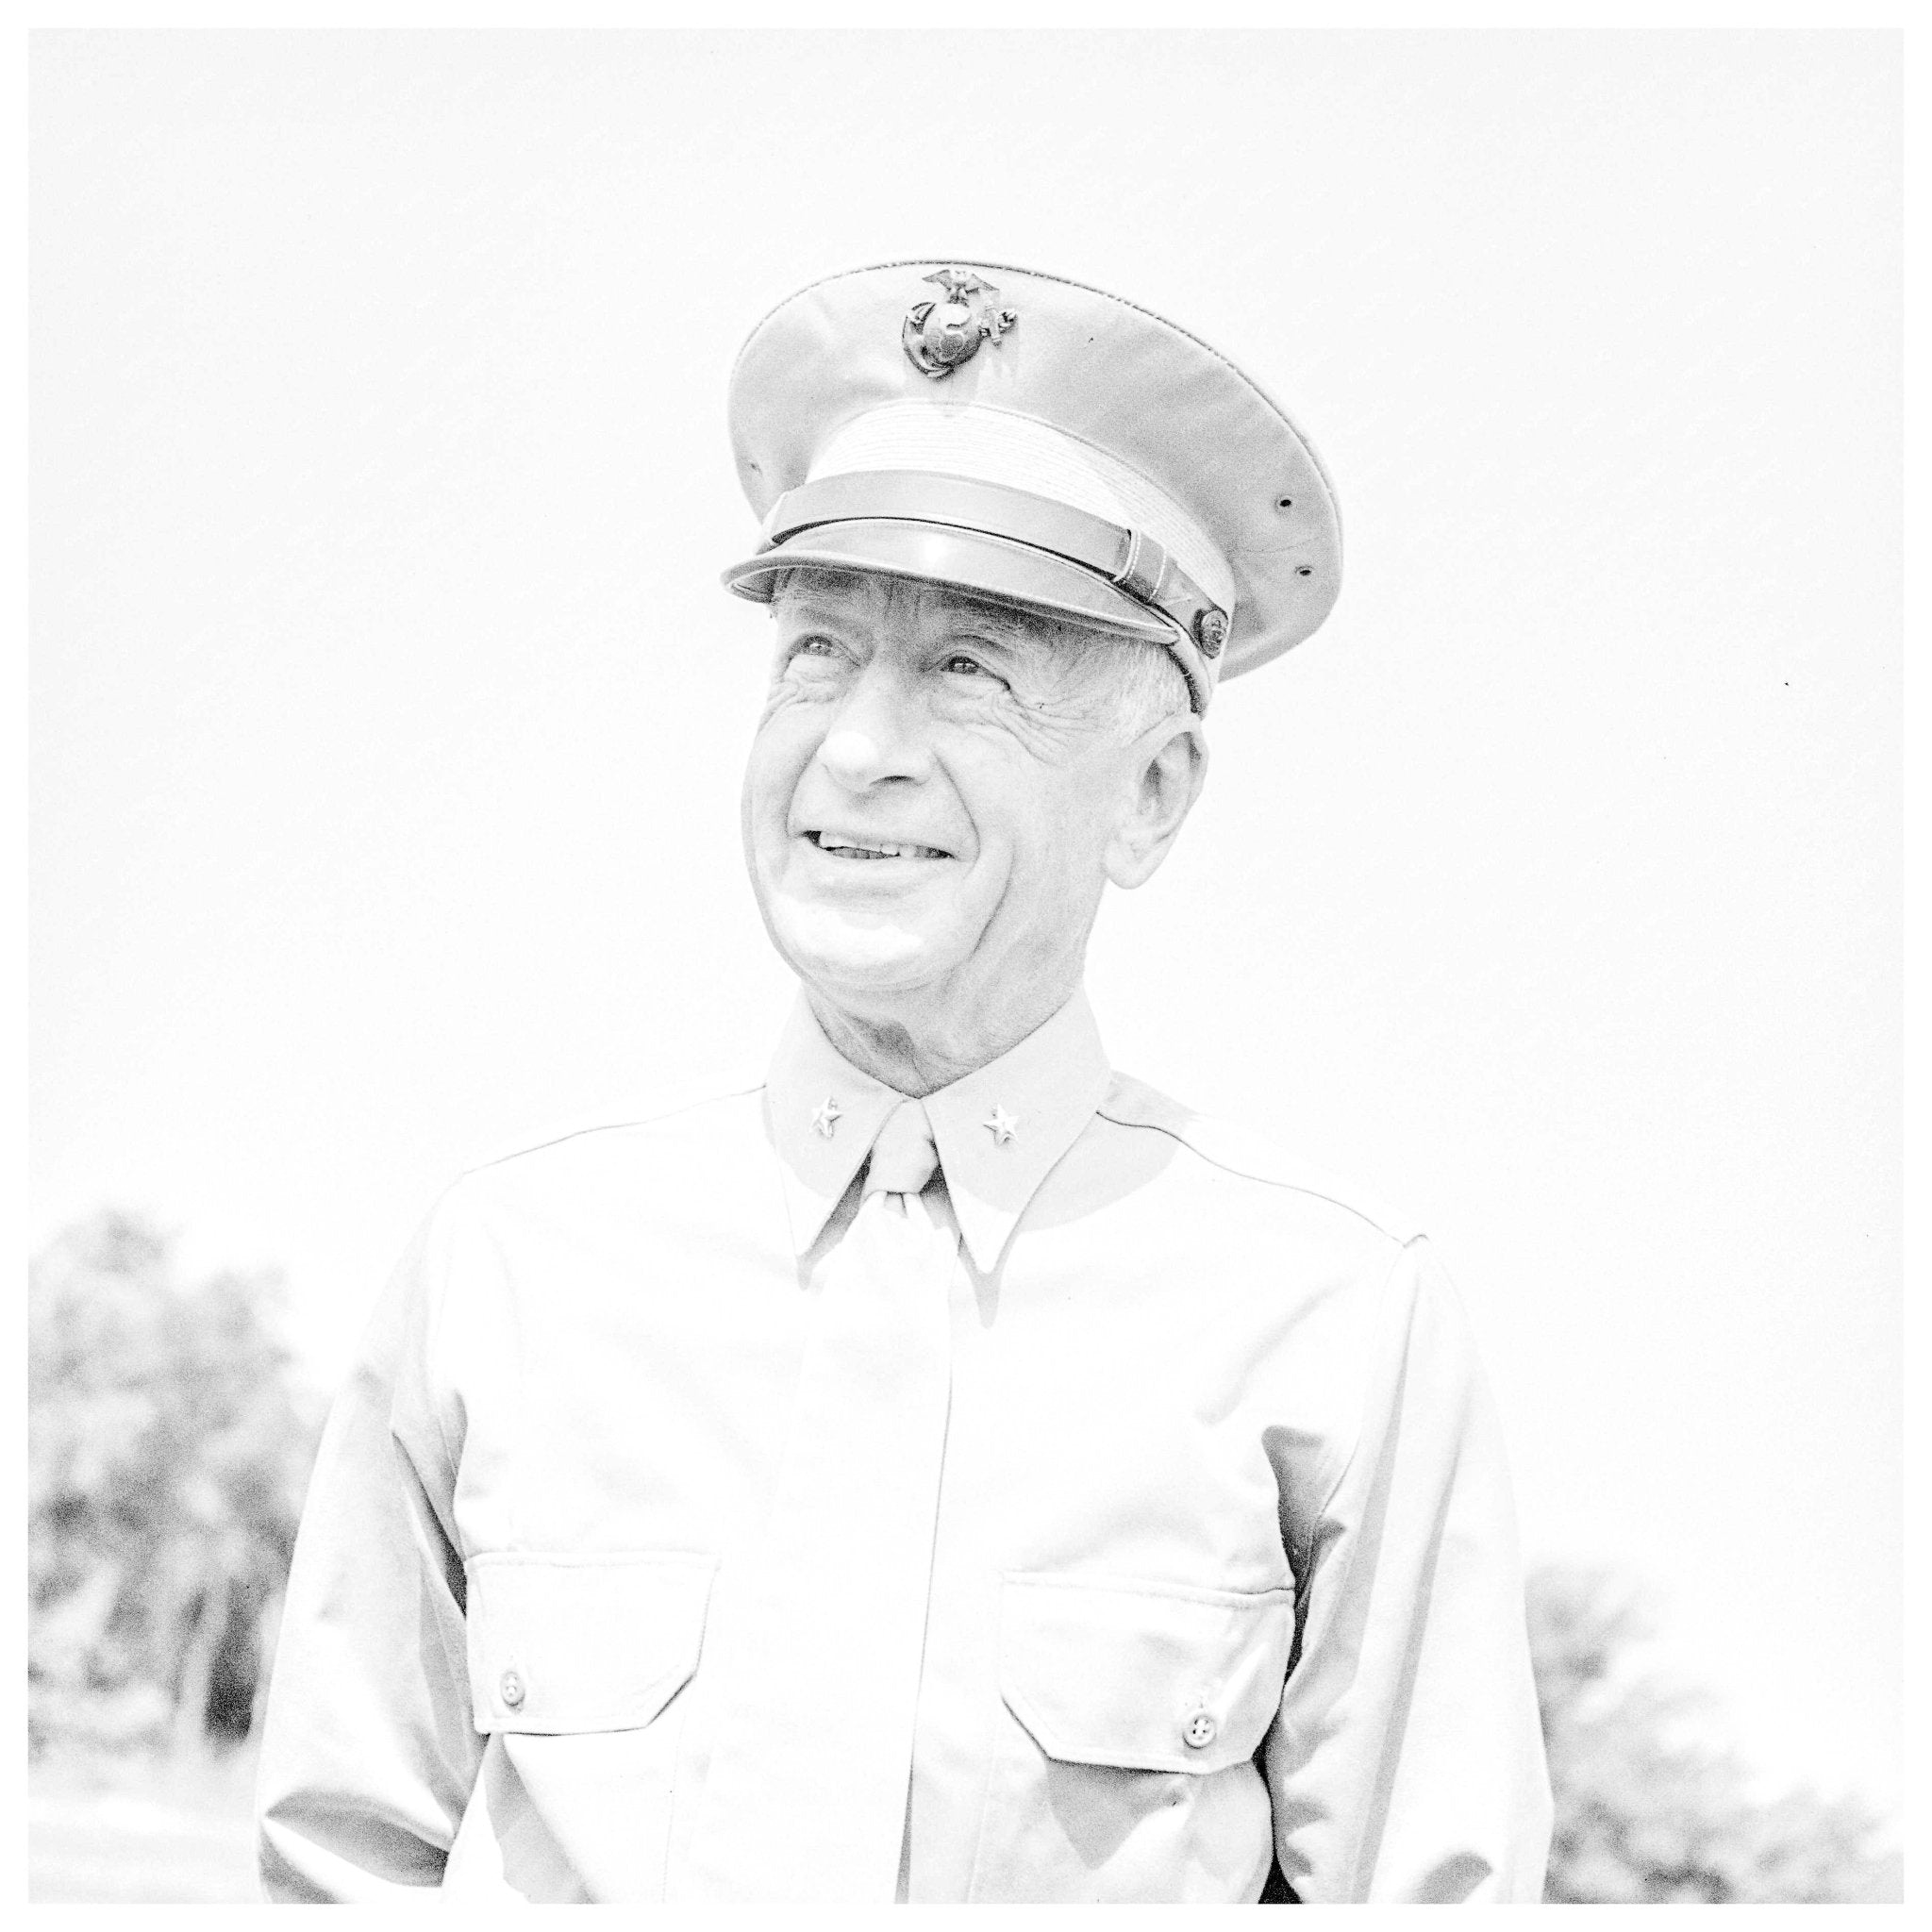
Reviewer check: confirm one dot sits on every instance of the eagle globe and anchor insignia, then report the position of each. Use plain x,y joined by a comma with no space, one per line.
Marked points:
940,334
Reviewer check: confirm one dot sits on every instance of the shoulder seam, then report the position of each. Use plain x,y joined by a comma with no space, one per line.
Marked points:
608,1126
1266,1179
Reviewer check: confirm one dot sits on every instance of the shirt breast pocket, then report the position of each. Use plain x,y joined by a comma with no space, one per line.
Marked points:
567,1644
1138,1707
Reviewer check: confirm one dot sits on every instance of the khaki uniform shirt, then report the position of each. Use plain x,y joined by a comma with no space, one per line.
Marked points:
1217,1443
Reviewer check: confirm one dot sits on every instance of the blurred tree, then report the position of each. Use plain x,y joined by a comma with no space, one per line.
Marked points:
1648,1811
168,1449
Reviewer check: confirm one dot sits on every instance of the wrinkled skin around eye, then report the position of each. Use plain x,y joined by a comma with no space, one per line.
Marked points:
1023,693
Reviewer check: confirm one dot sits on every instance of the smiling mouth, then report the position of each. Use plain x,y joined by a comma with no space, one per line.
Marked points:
837,845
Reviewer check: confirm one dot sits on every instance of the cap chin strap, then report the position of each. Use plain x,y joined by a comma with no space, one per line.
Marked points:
1129,559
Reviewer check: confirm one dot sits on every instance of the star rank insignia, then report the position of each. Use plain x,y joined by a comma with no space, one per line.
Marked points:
828,1117
1001,1125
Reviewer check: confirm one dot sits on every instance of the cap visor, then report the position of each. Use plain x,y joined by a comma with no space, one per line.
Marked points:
965,559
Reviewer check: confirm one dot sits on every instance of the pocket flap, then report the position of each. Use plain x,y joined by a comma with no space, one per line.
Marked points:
1143,1675
581,1642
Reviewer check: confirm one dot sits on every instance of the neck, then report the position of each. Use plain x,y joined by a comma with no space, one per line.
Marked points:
916,1054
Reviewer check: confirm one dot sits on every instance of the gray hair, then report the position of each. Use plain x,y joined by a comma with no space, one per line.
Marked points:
1135,684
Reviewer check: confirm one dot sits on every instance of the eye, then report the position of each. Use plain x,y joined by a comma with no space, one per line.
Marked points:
814,644
963,664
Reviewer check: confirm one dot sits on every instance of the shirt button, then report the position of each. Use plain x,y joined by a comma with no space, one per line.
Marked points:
510,1687
1199,1730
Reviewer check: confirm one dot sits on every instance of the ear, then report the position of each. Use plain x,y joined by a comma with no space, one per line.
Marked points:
1167,767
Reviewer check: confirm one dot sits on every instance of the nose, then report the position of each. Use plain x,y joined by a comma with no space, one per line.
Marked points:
877,734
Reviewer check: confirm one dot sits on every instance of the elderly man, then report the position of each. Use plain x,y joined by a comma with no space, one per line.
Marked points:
951,1470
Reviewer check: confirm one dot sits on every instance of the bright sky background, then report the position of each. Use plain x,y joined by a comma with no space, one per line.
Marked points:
388,717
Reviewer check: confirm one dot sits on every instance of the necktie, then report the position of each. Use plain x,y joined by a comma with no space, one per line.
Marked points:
805,1801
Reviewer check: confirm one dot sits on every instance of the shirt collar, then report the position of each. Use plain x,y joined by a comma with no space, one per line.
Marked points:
998,1131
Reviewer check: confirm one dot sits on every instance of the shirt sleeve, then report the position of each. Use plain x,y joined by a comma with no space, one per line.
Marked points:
1407,1763
368,1753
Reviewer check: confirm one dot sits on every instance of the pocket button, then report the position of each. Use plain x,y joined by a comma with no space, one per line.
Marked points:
510,1687
1199,1731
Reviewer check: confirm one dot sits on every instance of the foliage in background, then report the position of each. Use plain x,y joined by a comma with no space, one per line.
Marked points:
168,1447
1650,1811
169,1450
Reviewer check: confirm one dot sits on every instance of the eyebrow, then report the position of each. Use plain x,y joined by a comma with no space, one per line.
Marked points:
804,606
993,626
987,623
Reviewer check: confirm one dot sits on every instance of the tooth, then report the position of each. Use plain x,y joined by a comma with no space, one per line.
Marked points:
866,848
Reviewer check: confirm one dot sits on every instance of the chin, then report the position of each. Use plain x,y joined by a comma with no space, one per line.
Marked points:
849,959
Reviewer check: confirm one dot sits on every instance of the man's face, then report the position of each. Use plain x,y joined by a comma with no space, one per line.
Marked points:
930,801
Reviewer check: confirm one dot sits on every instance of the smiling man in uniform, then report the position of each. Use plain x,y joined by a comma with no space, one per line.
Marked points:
950,1471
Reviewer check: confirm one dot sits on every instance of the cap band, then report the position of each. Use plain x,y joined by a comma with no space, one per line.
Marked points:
939,437
1129,559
